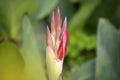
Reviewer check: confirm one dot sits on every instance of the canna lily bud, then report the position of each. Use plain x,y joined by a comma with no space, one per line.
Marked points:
57,39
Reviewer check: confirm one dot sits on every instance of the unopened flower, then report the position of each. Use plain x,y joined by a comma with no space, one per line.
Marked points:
57,39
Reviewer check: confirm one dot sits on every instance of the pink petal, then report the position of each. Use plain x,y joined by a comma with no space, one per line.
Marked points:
53,25
49,39
60,51
58,33
58,18
64,27
63,46
65,43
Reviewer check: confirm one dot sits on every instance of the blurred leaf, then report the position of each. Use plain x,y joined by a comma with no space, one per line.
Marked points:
11,12
11,62
67,9
85,72
45,7
85,11
40,34
108,52
34,64
109,9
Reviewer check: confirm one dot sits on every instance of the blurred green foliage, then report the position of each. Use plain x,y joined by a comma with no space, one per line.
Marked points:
11,14
82,17
107,62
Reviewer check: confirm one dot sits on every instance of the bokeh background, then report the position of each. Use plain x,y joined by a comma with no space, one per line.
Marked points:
82,16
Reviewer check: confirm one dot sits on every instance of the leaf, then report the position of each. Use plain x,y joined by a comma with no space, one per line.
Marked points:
67,9
108,52
11,62
85,72
33,60
12,11
45,7
40,34
84,12
107,9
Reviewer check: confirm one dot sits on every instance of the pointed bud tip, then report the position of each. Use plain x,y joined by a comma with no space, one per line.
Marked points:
65,18
64,27
58,13
65,21
58,10
53,16
48,30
